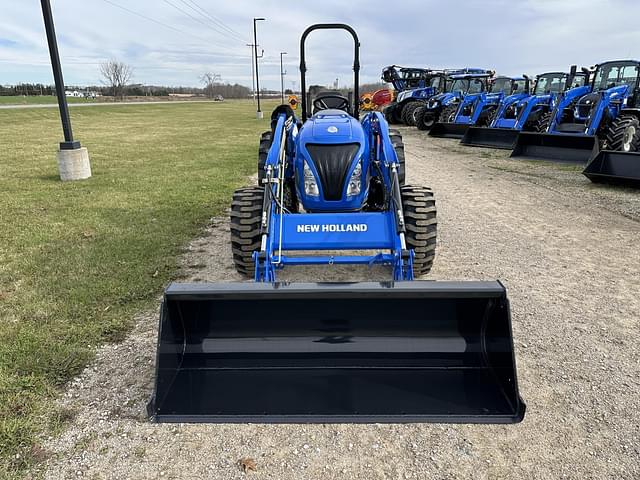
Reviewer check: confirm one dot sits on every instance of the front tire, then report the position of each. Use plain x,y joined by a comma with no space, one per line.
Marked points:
246,216
409,113
425,119
624,134
421,224
448,114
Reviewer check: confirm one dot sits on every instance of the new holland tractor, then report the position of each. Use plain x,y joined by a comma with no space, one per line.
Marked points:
602,115
413,87
523,111
400,350
459,84
477,108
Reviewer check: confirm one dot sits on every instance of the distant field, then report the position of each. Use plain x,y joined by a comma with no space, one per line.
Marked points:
38,100
50,99
77,258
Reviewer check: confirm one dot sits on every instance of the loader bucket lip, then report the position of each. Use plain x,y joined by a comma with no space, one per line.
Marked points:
485,137
448,130
614,167
458,378
556,147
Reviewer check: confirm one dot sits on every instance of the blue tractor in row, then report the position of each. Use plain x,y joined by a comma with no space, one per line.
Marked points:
524,112
478,108
602,115
459,84
400,350
413,86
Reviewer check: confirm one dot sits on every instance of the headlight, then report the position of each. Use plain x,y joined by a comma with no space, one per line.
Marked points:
433,104
310,182
355,182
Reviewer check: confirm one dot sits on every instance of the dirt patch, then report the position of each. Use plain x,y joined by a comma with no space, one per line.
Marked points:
568,254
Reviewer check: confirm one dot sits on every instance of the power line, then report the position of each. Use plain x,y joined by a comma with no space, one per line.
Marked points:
197,20
217,21
182,32
215,26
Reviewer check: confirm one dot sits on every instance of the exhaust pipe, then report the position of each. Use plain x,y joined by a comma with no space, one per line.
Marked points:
503,138
556,147
355,352
618,168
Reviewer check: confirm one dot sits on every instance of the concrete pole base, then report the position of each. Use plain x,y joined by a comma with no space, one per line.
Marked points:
259,115
74,164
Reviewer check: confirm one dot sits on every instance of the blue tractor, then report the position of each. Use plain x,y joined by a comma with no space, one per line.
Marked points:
413,86
459,84
401,350
477,108
604,114
523,111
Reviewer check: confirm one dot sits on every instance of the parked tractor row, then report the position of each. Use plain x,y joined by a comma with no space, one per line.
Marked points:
591,116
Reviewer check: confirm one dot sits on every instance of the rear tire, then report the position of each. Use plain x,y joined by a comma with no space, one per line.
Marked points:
263,151
246,216
398,145
624,134
421,224
408,115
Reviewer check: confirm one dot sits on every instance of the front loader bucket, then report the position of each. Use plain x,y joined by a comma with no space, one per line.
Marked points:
354,352
619,168
556,147
504,138
448,130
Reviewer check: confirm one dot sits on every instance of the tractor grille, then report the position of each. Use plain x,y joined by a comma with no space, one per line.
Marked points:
332,163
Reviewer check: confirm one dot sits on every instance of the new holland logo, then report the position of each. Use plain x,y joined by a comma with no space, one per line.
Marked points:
332,228
332,129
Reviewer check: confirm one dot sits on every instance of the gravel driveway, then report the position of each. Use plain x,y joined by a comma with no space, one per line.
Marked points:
569,254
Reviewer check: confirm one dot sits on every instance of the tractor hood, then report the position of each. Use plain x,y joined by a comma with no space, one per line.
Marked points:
332,126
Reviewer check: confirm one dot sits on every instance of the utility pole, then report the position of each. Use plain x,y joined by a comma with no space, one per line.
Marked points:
282,74
73,159
255,50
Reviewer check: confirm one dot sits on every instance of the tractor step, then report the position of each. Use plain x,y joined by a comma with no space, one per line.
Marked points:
556,147
360,352
448,130
619,168
503,138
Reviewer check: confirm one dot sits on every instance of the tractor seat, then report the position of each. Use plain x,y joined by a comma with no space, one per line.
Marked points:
331,101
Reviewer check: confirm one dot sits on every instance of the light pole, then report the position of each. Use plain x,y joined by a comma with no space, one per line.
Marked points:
253,74
282,74
73,159
255,50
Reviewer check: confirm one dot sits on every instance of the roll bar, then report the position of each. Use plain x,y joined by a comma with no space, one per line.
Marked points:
356,64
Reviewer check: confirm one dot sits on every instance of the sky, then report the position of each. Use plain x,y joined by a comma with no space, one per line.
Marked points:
173,42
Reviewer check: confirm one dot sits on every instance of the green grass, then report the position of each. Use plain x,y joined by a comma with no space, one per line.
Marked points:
38,100
78,260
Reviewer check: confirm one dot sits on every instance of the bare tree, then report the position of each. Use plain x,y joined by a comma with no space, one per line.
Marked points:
210,81
116,75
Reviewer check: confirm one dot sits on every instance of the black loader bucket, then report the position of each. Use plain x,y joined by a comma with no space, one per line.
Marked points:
361,352
618,168
504,138
448,130
556,147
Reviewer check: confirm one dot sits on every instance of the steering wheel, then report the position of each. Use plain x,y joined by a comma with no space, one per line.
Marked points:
332,101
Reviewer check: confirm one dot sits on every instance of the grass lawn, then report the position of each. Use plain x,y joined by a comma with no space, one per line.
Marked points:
77,260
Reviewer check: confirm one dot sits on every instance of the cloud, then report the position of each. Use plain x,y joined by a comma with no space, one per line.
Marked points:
179,40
